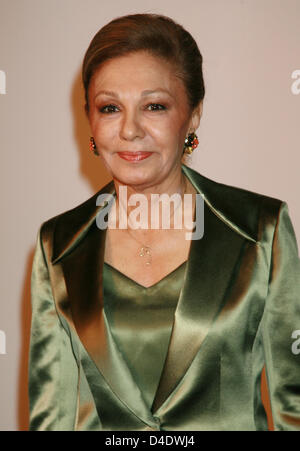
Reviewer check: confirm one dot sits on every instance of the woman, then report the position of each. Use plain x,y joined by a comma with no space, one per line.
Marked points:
142,328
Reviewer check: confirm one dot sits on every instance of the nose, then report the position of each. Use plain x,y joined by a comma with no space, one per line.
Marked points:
131,126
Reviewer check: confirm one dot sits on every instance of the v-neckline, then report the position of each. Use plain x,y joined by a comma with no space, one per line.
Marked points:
155,285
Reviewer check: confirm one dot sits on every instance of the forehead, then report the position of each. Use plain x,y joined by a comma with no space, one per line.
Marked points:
137,71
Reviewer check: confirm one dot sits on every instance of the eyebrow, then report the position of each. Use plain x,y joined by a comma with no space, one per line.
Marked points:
144,93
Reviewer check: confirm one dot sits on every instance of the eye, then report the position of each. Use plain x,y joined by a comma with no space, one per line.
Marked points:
156,107
108,109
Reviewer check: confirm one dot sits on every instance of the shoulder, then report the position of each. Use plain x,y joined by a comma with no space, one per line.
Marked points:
240,208
66,226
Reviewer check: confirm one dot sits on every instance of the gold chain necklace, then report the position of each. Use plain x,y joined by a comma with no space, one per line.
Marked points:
145,251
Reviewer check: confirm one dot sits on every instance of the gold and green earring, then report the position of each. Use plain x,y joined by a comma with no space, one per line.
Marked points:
190,143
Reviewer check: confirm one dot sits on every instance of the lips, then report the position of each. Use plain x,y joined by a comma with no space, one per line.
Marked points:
134,156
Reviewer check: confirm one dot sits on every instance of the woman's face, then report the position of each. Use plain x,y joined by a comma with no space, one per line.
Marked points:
139,117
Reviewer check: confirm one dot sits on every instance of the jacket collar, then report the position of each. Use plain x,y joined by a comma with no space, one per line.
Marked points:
78,248
218,197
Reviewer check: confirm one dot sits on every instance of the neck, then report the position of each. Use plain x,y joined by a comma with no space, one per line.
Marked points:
175,183
141,209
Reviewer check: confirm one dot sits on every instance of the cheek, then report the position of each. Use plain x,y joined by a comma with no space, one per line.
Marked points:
100,126
173,137
168,132
105,134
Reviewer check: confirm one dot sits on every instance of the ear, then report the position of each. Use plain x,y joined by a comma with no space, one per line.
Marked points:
86,109
196,116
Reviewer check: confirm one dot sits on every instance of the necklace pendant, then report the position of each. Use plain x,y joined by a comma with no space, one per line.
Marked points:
145,252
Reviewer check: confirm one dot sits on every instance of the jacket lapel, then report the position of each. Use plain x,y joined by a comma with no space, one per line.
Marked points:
209,270
81,261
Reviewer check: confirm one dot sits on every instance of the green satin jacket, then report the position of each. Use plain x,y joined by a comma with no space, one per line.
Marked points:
238,311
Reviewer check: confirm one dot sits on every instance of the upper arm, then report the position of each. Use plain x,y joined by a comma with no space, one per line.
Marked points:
281,319
50,356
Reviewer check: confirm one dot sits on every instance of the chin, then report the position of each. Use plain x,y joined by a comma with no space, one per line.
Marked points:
135,176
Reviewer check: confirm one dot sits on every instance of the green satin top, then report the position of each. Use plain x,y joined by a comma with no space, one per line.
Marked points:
141,320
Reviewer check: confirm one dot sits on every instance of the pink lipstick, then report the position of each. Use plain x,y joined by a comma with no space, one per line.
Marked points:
134,156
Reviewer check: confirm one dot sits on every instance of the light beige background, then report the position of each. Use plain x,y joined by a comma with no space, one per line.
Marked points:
249,132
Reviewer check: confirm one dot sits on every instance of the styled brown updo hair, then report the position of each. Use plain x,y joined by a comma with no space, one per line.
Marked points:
157,34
